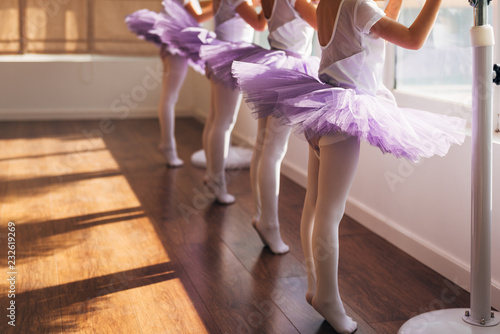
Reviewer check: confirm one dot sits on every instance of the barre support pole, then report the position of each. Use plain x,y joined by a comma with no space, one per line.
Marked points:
482,126
479,319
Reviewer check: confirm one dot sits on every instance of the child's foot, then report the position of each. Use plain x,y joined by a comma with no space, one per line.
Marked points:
218,190
311,279
170,155
334,313
225,198
271,237
310,295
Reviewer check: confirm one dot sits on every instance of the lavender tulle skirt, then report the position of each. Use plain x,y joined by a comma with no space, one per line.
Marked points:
316,109
220,55
142,22
174,29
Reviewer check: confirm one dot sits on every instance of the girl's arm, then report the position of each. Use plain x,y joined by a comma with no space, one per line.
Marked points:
205,14
414,36
307,11
248,13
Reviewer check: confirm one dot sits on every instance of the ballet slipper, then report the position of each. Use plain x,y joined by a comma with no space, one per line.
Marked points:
170,155
225,199
334,313
255,219
272,239
310,295
219,192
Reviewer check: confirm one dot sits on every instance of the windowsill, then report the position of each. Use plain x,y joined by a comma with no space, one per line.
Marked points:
69,58
441,106
458,94
432,104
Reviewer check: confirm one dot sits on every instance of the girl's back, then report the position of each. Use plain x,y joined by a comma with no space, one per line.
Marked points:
351,56
229,26
287,30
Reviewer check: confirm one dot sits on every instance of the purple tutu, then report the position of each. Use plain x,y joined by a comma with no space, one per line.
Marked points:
141,22
174,29
219,57
284,59
316,109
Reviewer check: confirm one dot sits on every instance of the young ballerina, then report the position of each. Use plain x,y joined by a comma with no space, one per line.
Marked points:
235,22
350,103
291,25
148,25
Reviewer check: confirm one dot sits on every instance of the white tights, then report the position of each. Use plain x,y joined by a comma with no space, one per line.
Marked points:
329,179
269,151
174,73
225,104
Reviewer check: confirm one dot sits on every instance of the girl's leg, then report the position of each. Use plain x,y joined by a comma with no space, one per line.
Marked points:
273,152
254,168
206,130
174,73
226,105
337,167
307,222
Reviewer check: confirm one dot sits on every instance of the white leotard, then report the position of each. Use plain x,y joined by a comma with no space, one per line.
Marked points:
288,30
229,26
354,60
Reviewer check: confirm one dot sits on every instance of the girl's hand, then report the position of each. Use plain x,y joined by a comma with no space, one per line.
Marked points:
256,3
247,12
412,37
307,10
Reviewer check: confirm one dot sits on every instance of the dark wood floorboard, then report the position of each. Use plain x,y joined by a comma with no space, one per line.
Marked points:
109,240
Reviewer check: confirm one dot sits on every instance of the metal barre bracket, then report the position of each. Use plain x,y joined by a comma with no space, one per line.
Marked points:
496,74
474,3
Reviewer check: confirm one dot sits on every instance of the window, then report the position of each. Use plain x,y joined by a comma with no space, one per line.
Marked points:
440,74
71,26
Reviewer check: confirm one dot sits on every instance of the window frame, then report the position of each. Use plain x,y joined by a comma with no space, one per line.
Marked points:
95,35
408,99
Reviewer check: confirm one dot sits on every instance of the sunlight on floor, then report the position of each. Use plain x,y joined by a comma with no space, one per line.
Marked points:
86,253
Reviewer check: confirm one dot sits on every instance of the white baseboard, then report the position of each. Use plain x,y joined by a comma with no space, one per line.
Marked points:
199,115
294,173
50,114
426,253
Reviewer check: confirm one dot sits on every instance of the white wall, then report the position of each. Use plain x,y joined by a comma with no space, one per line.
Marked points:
423,209
81,86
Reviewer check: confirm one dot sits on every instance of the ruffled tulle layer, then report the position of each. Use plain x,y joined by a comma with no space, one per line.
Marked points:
175,29
142,22
317,109
219,58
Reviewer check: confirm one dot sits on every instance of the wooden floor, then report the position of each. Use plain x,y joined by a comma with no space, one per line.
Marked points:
109,240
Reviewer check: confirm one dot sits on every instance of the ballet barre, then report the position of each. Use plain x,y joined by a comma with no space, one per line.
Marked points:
479,319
